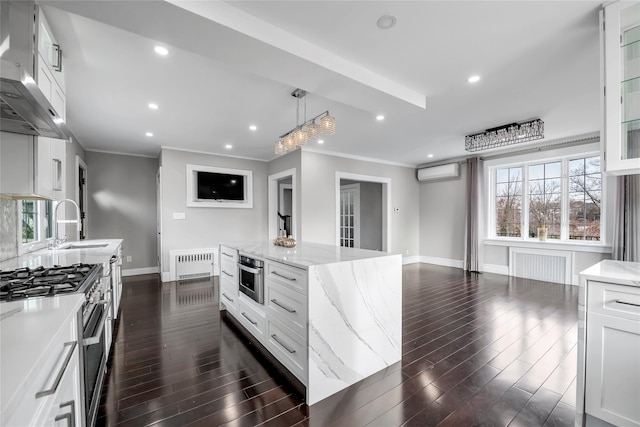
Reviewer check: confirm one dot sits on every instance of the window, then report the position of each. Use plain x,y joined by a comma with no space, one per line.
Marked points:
36,220
560,198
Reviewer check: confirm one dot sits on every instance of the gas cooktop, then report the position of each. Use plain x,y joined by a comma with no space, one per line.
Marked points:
46,281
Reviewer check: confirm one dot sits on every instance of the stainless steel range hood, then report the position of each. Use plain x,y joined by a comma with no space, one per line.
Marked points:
24,109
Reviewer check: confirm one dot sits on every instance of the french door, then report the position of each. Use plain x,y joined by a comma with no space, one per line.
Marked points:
350,216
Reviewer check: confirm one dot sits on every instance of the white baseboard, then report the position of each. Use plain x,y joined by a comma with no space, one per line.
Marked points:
496,269
410,260
456,263
139,271
165,276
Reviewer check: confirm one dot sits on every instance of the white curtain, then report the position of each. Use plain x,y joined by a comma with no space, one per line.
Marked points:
474,227
626,226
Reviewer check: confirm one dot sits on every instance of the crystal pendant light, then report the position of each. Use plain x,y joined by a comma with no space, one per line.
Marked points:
313,131
289,142
328,125
300,136
280,147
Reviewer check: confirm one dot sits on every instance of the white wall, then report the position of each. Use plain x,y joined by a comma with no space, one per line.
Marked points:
207,227
318,213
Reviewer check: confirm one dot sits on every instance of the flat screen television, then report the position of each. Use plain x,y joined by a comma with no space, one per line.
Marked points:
220,186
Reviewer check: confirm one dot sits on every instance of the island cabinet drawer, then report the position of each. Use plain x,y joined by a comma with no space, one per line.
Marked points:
252,319
290,277
288,347
288,306
228,270
614,300
228,253
229,294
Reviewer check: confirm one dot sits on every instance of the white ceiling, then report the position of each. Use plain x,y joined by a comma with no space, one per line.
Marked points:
232,64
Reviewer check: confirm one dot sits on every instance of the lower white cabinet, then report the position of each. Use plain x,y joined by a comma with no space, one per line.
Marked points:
288,347
252,317
612,380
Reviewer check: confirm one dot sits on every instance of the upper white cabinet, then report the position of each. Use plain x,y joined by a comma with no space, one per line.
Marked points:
621,42
50,52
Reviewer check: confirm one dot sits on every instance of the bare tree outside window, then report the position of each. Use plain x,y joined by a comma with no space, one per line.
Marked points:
508,202
585,197
545,199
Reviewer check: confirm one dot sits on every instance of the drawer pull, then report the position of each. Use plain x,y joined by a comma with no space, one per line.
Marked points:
291,279
228,274
56,382
290,310
227,297
286,347
626,303
253,322
69,416
229,255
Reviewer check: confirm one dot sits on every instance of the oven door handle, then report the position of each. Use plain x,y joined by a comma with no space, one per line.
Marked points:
250,269
95,339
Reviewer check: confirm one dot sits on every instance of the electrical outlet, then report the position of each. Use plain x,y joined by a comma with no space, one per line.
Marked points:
407,251
129,258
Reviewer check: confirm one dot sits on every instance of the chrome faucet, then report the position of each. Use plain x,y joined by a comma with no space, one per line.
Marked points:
56,221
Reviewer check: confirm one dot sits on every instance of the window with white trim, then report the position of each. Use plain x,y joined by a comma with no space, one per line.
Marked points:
558,198
36,221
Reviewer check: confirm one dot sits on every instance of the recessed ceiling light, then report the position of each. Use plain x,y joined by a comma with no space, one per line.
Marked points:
149,134
473,79
321,141
379,117
386,21
161,50
153,106
228,146
429,155
253,127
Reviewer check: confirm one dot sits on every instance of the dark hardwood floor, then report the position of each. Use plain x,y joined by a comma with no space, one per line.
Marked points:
484,350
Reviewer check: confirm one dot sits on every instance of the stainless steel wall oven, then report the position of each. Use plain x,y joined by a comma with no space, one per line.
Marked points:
251,274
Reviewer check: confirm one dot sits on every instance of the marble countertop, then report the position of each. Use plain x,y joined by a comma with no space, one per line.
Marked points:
61,256
304,255
27,330
619,272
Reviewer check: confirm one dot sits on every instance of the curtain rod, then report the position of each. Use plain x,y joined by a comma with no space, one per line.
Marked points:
509,153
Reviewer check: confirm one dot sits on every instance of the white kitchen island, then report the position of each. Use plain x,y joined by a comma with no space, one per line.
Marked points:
331,315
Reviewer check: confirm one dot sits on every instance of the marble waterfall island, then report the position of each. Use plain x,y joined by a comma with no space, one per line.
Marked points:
351,302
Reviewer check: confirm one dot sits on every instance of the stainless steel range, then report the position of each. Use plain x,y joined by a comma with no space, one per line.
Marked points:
28,283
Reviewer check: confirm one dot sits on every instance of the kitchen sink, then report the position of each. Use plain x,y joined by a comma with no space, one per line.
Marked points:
89,246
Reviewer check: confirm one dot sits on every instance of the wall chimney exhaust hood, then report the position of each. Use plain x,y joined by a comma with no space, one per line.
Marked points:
24,109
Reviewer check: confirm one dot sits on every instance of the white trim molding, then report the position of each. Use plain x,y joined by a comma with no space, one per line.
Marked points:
496,269
410,260
139,271
446,262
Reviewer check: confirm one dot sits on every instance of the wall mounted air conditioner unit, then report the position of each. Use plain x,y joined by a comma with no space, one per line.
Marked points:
451,170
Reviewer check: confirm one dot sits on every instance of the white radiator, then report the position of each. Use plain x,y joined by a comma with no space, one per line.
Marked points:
541,264
192,263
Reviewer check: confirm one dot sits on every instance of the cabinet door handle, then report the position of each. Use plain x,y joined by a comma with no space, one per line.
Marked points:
286,347
291,279
58,65
227,297
228,274
254,323
226,254
626,303
275,301
70,416
56,382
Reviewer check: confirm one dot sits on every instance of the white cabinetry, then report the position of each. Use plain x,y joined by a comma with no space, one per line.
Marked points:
612,379
31,167
50,52
621,67
52,395
229,279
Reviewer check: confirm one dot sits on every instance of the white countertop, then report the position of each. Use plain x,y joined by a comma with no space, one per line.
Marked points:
27,330
60,256
619,272
304,255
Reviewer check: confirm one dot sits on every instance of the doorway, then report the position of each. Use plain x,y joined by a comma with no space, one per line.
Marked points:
81,195
363,211
283,204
